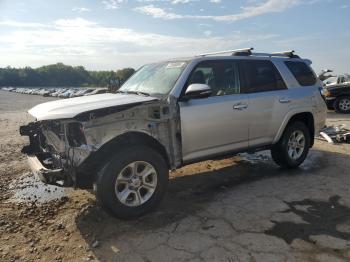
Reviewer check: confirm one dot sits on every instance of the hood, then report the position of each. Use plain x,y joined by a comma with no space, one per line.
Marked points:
69,108
338,86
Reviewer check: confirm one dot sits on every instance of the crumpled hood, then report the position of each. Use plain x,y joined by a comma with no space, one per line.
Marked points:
69,108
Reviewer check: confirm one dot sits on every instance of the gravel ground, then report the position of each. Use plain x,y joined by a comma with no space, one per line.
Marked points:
242,208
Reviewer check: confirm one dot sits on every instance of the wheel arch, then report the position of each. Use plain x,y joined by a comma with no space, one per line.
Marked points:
87,171
305,117
342,96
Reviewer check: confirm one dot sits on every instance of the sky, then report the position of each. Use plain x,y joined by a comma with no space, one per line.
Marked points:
113,34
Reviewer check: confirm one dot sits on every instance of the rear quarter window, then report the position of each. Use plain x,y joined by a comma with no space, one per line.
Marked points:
302,73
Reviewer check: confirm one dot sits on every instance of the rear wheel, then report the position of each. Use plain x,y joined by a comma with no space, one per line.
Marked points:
133,182
293,147
342,105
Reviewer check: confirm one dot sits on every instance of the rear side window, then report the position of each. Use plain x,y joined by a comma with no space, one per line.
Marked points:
261,76
302,73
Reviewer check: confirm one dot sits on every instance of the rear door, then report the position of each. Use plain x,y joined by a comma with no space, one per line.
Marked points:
269,100
216,124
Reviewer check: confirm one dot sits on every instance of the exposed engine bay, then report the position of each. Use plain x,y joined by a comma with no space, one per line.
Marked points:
68,149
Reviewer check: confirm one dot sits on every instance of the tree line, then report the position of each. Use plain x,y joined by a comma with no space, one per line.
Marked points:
60,75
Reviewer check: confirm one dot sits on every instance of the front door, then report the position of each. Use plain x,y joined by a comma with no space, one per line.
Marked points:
217,124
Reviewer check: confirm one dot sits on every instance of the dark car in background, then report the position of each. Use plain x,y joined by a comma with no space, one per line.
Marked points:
337,97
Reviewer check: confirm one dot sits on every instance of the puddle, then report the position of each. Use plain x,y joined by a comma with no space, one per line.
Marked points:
321,218
28,188
314,160
256,158
311,162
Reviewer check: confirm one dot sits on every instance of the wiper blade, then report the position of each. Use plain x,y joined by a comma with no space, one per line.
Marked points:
134,92
121,92
143,93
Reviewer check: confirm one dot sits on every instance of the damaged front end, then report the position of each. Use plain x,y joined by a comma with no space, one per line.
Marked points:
51,150
70,152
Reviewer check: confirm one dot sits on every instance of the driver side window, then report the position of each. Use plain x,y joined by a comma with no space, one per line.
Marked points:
222,77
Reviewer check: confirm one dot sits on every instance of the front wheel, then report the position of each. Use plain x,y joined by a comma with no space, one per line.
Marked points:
293,147
133,182
342,105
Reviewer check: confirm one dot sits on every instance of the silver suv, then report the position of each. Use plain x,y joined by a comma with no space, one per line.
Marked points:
173,113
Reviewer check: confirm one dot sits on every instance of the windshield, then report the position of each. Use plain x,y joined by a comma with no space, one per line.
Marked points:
331,80
154,79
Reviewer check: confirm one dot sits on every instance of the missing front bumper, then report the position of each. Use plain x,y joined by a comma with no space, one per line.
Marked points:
48,176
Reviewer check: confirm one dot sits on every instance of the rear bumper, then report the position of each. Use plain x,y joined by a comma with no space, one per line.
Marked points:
48,176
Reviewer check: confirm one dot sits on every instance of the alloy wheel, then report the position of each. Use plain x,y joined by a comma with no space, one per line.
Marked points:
296,145
344,104
136,183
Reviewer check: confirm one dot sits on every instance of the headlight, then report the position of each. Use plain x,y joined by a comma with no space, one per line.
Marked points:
325,92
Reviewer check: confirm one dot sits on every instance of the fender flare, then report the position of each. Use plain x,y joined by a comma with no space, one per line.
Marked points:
287,119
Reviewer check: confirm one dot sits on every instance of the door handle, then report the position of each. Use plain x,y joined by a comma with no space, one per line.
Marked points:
240,106
285,100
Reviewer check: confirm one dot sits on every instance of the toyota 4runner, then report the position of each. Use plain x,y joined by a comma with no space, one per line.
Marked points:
173,113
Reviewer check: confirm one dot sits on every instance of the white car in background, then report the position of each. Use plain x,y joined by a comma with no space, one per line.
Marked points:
67,94
97,91
337,80
59,91
83,91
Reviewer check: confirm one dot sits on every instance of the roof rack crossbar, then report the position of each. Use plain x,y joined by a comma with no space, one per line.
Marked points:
243,50
289,54
285,53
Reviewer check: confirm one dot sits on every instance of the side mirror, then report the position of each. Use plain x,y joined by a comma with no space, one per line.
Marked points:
197,91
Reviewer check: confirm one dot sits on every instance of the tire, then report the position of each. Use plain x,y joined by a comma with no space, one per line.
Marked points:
342,105
123,198
281,153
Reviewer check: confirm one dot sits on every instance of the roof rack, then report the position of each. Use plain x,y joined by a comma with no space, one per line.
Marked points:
285,53
248,52
289,54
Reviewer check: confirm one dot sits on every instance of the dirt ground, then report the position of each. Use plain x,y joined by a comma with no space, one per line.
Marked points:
242,208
